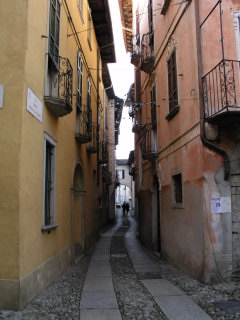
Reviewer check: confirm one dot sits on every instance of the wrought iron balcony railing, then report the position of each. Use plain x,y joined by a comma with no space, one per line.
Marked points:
58,96
106,176
92,147
149,145
221,88
136,128
83,132
147,53
131,112
136,51
103,152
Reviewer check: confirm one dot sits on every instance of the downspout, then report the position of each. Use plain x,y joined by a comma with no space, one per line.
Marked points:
205,141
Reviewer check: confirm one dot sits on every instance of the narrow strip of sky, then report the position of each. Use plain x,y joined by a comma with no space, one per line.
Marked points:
122,75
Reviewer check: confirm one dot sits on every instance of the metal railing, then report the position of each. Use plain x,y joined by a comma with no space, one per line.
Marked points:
147,53
221,88
61,74
93,144
103,152
84,124
136,50
149,148
136,127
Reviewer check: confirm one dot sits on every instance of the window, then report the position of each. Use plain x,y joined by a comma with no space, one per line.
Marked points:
172,86
89,109
153,108
177,189
80,7
172,81
49,181
54,28
150,21
120,174
79,80
89,27
237,31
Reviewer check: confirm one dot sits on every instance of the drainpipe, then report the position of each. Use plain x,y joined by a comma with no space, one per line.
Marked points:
205,141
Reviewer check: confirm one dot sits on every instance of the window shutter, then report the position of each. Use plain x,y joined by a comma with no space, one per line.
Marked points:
54,29
172,81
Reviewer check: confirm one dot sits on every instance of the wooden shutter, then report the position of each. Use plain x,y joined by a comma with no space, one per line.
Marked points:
172,81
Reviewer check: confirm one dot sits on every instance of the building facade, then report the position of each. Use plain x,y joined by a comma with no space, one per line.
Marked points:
55,93
125,183
186,120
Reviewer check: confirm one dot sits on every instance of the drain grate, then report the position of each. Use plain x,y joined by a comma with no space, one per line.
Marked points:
146,276
231,306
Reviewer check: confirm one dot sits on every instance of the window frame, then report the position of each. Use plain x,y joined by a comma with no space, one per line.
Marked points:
153,107
175,190
54,31
80,8
48,226
173,96
89,28
122,174
79,86
236,15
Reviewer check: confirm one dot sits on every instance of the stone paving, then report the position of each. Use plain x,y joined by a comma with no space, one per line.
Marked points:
134,300
61,300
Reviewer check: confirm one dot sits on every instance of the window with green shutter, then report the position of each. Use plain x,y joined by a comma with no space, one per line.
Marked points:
54,29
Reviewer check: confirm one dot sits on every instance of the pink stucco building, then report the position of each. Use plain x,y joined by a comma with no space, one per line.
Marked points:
186,115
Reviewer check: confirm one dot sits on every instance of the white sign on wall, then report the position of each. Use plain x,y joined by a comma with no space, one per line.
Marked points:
34,105
221,204
1,95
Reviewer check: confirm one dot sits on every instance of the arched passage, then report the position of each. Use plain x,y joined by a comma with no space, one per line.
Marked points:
77,214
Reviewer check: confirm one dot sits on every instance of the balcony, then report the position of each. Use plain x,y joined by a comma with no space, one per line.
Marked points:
58,96
149,148
147,54
136,52
83,132
131,112
103,152
136,128
92,147
106,176
221,88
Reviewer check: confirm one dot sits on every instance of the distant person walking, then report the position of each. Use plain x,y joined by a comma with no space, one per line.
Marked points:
124,207
127,207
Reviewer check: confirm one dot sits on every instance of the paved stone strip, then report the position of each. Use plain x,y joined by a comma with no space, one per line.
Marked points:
209,297
98,301
134,300
61,300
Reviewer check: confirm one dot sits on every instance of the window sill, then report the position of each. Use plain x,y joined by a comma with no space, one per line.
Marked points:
178,205
173,112
49,228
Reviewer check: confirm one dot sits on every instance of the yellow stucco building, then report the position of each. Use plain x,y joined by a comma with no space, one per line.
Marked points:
53,143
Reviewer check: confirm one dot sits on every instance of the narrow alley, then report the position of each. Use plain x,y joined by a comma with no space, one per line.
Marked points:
121,280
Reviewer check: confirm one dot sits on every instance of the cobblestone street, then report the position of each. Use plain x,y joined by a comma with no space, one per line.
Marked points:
62,299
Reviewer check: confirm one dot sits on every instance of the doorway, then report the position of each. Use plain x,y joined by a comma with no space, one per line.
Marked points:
77,215
156,221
